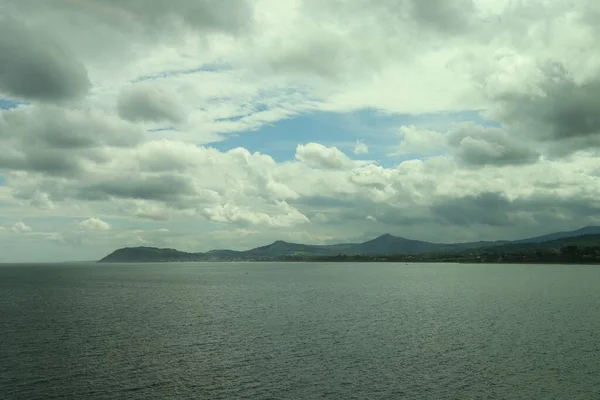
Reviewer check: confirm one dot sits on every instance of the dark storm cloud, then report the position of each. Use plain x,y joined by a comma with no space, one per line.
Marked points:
548,209
217,15
154,16
323,202
495,209
112,33
448,16
444,15
343,210
220,15
165,188
67,129
476,145
566,115
485,208
56,141
34,67
47,161
145,103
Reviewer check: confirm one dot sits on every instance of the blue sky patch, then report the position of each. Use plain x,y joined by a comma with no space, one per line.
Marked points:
231,119
375,129
163,129
211,67
7,104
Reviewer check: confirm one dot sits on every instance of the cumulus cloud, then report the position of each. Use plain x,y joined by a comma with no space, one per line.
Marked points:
318,156
485,208
21,227
144,102
342,40
154,18
565,110
93,224
476,145
548,100
471,144
162,187
35,67
419,140
226,15
447,16
496,209
280,214
60,141
207,183
360,148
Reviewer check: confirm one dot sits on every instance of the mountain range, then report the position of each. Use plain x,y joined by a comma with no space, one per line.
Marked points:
383,245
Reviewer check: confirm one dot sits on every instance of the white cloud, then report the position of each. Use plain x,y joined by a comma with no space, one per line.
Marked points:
419,140
280,214
21,227
316,155
93,224
149,102
360,148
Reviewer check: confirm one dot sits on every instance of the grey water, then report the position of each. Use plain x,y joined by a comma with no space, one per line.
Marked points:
299,331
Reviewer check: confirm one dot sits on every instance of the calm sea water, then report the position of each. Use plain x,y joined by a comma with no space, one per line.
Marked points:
299,331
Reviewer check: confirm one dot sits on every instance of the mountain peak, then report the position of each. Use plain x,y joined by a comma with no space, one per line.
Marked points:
388,237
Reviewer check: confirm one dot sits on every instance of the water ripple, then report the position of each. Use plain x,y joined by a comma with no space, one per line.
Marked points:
291,331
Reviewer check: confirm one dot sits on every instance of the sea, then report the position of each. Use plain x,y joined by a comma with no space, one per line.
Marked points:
299,331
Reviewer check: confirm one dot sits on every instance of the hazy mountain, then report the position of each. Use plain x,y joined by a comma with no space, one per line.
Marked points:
389,244
553,244
384,244
588,230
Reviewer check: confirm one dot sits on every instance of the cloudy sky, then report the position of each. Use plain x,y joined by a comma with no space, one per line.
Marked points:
202,124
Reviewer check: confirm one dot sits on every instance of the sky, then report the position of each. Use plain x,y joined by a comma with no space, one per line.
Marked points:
209,124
